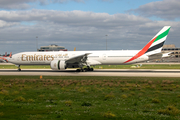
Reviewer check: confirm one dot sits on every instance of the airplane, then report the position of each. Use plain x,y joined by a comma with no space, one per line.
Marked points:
60,60
5,54
4,57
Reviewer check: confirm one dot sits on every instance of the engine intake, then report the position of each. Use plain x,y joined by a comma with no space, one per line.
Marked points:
58,65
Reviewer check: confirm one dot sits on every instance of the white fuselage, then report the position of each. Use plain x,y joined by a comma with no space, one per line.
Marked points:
114,57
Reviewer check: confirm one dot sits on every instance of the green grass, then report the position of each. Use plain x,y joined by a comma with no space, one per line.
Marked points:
145,66
90,98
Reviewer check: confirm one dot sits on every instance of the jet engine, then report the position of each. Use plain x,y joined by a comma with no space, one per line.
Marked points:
58,65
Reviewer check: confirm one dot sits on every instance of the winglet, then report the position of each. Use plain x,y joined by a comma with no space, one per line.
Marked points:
10,54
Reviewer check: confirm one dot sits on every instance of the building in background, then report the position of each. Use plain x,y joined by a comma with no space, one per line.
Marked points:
172,48
174,53
52,47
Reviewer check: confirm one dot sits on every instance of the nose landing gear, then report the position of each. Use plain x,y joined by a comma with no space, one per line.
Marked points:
19,69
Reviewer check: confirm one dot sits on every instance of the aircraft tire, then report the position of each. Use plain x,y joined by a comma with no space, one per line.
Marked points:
91,69
85,69
78,70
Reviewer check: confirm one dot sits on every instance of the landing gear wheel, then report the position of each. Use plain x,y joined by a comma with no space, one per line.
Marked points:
91,69
80,70
85,69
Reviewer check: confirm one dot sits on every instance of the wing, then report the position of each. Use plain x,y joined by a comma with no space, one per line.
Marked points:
78,59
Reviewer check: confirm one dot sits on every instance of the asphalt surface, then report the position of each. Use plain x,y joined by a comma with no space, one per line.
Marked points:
96,72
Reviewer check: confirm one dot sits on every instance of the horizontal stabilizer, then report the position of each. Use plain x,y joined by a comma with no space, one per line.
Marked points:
155,56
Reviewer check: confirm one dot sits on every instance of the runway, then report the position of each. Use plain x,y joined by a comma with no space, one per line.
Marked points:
96,72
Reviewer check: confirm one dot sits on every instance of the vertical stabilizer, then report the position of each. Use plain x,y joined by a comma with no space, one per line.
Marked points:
158,41
154,46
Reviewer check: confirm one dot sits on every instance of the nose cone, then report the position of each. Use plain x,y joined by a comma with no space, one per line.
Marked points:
12,59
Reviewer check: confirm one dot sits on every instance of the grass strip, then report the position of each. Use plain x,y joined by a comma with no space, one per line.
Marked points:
90,98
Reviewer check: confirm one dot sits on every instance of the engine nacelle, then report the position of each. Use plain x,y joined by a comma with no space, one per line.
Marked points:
58,65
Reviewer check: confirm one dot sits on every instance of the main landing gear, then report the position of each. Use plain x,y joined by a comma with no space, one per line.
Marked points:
85,69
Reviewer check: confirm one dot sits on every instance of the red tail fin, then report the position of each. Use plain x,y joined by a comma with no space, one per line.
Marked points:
10,54
5,54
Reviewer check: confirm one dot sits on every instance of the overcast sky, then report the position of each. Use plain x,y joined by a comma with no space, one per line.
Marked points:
84,24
